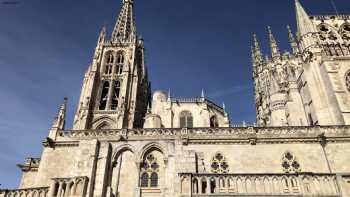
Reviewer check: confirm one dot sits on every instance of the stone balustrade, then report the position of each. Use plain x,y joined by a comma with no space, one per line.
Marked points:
305,184
233,132
32,192
68,187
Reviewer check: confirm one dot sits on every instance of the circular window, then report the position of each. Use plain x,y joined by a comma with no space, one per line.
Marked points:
347,80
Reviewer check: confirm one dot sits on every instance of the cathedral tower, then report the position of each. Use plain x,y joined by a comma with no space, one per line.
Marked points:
116,90
311,85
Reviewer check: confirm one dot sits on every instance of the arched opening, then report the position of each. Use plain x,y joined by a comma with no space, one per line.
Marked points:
120,64
204,186
103,126
214,122
212,186
195,186
124,176
144,179
154,179
55,191
104,96
109,64
186,119
115,98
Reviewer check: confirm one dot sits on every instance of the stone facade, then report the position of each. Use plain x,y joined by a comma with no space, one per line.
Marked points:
126,144
310,85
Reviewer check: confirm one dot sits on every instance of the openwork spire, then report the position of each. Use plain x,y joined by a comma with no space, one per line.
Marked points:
273,45
305,25
292,41
125,28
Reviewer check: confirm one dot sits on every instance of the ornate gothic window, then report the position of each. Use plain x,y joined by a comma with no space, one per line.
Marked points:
186,119
120,64
290,163
115,97
347,81
109,64
214,122
104,96
219,164
149,172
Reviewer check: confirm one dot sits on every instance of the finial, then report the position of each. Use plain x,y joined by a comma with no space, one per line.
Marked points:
273,45
224,106
202,94
292,41
128,1
59,121
149,108
169,95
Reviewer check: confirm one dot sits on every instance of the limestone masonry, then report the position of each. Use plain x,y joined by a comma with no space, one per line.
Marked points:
128,142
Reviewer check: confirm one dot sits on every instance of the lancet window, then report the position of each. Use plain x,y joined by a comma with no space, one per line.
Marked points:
120,64
219,164
290,163
186,119
214,122
149,172
115,97
109,64
104,96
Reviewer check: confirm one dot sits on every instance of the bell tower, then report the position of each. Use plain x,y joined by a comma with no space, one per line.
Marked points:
116,90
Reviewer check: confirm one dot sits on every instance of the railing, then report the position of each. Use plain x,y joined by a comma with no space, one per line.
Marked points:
232,132
32,192
69,187
259,184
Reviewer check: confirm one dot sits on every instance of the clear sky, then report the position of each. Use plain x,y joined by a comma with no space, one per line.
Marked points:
46,46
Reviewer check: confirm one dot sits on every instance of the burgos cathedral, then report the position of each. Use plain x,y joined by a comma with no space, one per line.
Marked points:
128,142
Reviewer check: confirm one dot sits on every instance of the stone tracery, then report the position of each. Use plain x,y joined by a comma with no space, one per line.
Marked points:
219,164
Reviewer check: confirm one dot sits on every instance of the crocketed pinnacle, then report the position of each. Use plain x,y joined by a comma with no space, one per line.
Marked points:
292,41
275,52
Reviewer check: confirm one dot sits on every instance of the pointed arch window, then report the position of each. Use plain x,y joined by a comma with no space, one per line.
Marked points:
104,96
120,64
219,164
149,172
290,163
214,122
109,64
186,119
115,97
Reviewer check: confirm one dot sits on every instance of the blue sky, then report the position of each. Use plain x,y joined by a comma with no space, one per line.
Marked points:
46,46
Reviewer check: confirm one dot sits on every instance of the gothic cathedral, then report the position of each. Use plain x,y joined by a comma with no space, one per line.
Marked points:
128,142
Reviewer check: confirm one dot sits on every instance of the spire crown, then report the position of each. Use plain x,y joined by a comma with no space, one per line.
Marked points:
125,28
